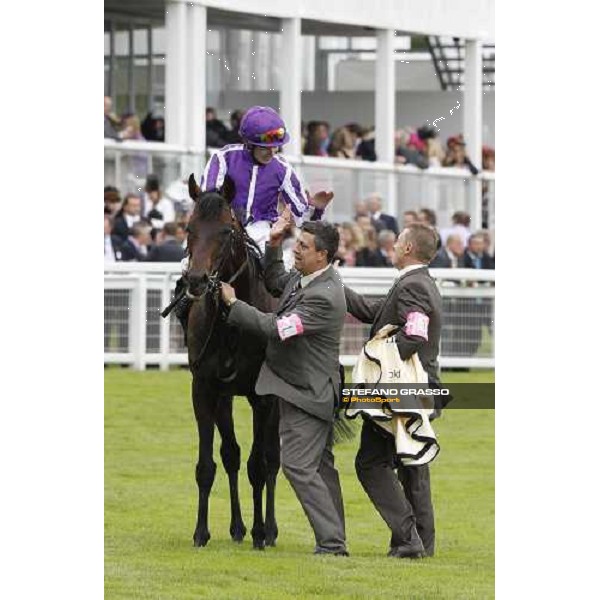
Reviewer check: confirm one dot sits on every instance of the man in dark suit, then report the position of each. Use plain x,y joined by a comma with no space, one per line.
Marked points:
112,244
301,368
413,303
169,249
475,256
450,256
135,247
129,214
380,220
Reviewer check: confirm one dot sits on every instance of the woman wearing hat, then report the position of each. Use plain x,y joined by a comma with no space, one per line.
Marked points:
262,176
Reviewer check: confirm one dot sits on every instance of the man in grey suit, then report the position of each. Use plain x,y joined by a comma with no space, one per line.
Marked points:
414,303
301,368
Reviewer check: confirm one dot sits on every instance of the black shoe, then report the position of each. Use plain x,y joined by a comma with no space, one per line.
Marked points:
405,552
320,550
411,549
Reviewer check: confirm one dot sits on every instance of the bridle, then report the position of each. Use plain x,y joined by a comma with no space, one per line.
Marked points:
213,287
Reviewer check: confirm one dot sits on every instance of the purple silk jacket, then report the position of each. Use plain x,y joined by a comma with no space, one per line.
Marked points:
257,187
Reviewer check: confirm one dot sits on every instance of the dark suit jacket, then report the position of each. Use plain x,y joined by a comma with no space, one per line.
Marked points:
486,260
415,291
117,243
371,258
168,251
130,252
386,222
120,227
442,260
301,362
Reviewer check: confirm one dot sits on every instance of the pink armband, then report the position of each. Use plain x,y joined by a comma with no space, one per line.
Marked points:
289,326
417,324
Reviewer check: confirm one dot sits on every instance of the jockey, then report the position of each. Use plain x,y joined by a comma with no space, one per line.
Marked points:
261,176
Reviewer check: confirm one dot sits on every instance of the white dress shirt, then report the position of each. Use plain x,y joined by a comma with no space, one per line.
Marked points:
304,281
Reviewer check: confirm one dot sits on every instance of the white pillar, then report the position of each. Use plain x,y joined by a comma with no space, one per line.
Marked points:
196,76
291,83
385,104
112,68
175,73
308,67
150,72
131,72
262,64
320,74
472,122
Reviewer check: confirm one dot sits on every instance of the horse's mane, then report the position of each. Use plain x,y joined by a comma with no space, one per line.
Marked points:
209,207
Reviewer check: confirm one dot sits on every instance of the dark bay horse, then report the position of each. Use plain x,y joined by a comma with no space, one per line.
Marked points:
225,363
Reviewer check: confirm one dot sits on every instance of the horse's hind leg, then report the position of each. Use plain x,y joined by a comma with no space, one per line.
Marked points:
257,472
204,411
272,459
263,466
230,455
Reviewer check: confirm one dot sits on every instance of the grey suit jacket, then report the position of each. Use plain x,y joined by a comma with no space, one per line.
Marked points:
303,337
415,291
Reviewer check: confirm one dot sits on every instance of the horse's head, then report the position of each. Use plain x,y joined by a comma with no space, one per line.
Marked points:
215,245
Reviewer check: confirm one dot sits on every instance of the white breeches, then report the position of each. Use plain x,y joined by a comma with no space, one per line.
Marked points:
259,231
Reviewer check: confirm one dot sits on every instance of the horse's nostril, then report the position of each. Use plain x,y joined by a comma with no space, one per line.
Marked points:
197,278
197,281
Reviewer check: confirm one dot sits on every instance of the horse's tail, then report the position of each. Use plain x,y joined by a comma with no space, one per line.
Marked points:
344,430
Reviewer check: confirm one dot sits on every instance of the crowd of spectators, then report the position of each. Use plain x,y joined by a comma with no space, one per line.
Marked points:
146,227
129,127
368,240
420,147
413,146
152,227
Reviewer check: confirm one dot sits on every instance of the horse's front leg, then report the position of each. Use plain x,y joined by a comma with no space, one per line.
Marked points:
204,411
230,455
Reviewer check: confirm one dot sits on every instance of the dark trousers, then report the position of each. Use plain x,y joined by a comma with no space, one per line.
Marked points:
400,506
308,464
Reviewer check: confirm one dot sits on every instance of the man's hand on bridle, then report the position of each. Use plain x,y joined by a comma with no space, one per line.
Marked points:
227,293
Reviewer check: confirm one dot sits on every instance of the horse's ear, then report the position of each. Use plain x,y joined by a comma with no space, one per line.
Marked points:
228,189
193,188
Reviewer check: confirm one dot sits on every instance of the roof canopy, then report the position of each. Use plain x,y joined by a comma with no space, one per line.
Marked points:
472,19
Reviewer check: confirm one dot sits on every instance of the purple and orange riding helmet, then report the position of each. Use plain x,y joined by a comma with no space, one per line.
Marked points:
262,126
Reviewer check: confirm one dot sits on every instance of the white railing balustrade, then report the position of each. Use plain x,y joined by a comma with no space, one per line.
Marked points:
135,334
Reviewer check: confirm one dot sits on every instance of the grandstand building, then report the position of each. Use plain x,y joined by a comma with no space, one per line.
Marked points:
385,64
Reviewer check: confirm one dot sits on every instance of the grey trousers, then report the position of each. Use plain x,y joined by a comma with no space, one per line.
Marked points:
308,464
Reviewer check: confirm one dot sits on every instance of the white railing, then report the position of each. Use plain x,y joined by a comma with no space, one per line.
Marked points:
403,187
136,335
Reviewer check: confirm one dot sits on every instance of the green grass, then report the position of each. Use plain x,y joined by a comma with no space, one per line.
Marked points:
150,510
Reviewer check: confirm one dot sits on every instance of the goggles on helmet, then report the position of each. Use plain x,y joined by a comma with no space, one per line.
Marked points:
274,135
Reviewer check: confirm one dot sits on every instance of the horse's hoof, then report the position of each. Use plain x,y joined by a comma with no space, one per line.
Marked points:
271,536
238,533
258,544
200,540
